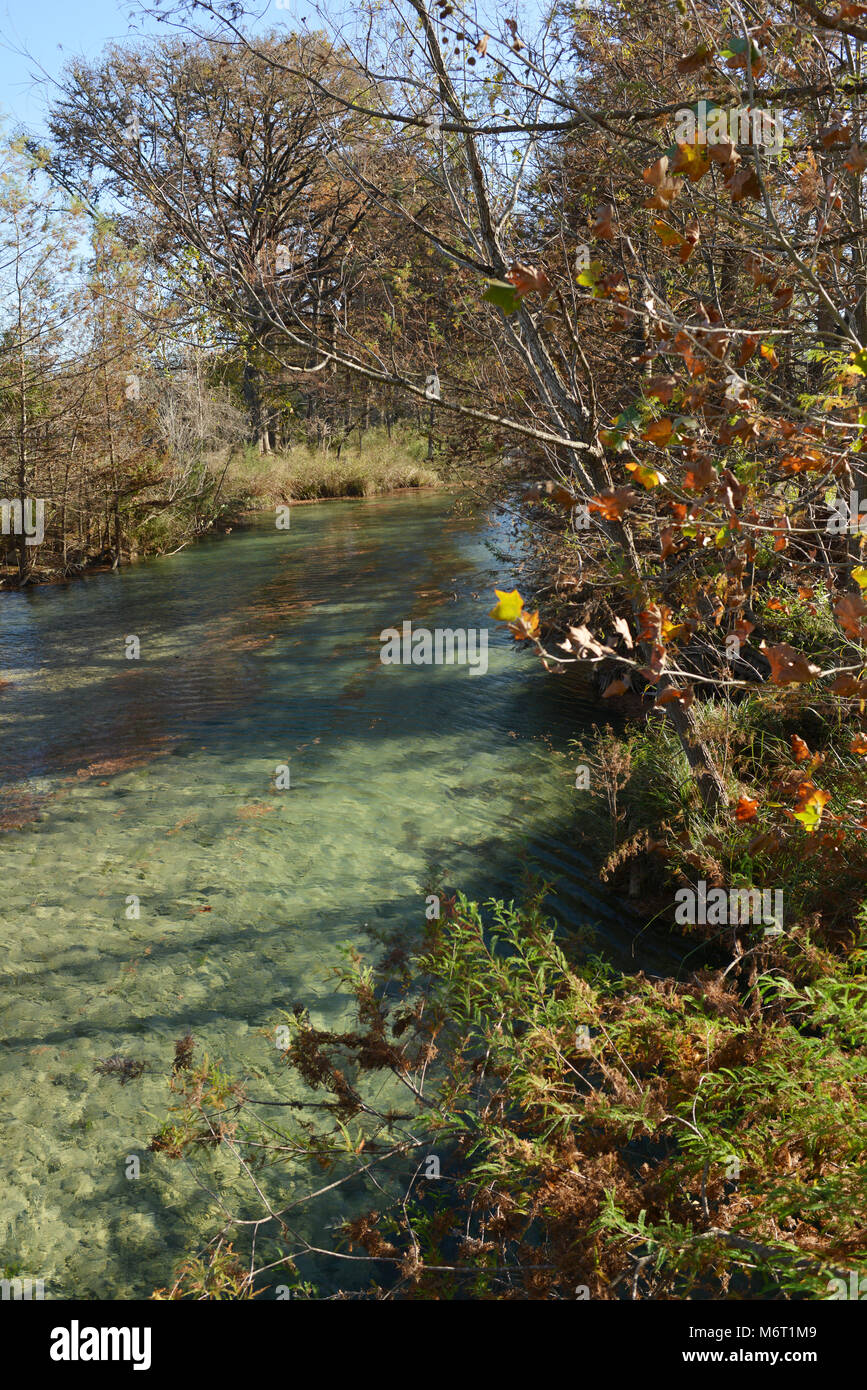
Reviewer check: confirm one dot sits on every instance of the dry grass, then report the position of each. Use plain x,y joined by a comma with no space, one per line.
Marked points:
304,474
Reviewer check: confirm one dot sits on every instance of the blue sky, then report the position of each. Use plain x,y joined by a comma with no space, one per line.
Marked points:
38,36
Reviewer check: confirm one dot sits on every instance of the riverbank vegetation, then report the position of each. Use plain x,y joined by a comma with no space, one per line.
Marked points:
305,473
611,262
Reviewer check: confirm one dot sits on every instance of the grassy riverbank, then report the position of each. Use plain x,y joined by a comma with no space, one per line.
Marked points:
307,473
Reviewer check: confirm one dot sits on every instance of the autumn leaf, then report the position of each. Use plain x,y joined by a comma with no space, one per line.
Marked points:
691,238
667,542
648,477
835,133
859,745
848,686
770,356
702,475
526,626
856,159
782,298
850,611
612,502
508,606
482,46
746,810
685,694
669,236
581,641
691,160
554,492
602,228
665,187
723,153
740,53
700,57
658,432
527,279
789,667
660,388
616,687
810,804
800,749
744,184
652,619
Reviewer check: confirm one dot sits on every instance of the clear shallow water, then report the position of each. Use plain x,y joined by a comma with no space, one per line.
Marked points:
155,778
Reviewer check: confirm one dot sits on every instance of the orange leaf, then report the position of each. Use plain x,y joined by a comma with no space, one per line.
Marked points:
746,810
658,432
770,356
691,160
617,687
612,502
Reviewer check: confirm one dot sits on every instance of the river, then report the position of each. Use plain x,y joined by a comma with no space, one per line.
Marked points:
156,880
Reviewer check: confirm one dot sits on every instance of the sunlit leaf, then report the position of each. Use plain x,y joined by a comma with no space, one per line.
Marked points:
508,606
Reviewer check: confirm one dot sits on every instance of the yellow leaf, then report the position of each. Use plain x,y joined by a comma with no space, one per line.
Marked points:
811,803
508,606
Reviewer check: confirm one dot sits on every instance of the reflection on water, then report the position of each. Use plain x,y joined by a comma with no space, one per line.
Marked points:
147,787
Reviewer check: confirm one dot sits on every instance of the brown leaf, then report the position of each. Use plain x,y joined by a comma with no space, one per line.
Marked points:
789,667
602,228
700,57
660,388
849,686
724,153
702,475
555,492
527,279
744,184
850,611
